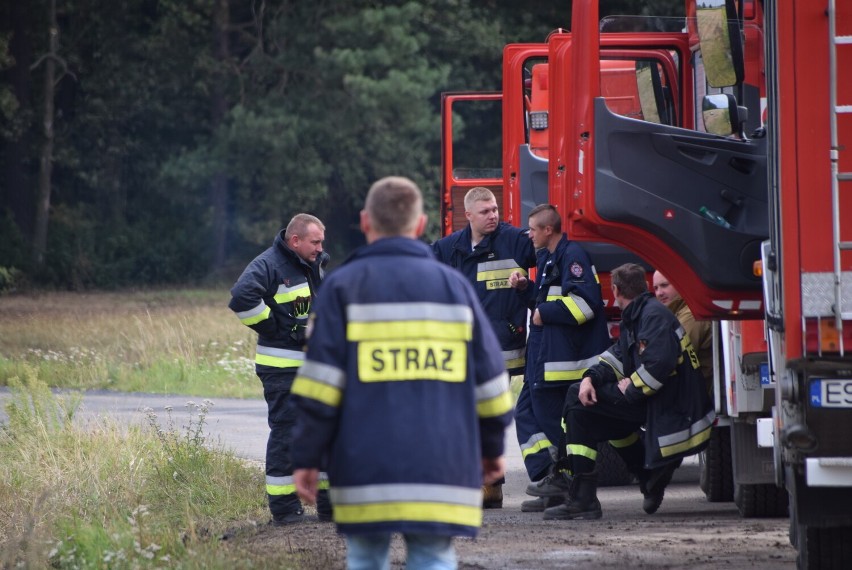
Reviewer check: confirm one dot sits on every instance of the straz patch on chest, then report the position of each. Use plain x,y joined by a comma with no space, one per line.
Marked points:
497,284
388,361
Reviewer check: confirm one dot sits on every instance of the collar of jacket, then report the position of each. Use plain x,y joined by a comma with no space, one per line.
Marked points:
635,307
464,239
392,246
543,253
676,305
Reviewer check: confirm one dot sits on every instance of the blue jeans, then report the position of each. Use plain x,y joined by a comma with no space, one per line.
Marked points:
425,552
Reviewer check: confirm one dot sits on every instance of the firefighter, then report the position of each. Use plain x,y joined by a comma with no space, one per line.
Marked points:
403,389
487,251
567,332
273,297
649,378
700,333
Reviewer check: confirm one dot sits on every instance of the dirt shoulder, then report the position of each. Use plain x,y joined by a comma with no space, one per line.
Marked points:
687,531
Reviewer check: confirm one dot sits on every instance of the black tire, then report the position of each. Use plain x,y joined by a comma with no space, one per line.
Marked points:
761,501
717,474
822,548
612,471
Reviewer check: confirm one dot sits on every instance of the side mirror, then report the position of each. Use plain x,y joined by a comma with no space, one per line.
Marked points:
721,114
721,42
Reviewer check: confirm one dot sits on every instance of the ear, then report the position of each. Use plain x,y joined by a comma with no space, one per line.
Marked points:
421,225
364,222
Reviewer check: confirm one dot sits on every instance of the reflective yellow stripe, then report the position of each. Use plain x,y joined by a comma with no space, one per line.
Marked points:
288,294
280,489
625,442
495,406
536,443
323,485
684,446
255,315
408,511
277,362
579,308
578,449
328,395
357,331
686,439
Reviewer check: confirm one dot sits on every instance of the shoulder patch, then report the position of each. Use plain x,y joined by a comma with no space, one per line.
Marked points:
576,270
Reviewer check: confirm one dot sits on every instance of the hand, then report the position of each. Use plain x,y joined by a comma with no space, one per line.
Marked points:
518,281
623,384
587,395
306,484
493,468
536,318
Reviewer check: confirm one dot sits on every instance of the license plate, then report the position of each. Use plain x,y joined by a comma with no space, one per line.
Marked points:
831,393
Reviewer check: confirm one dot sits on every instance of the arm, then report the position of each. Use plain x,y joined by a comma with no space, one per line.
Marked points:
576,299
658,358
248,298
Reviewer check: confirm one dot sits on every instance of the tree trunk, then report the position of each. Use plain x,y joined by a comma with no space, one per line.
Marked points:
219,104
46,162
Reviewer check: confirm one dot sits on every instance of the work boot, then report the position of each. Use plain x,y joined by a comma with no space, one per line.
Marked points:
294,517
324,510
582,500
492,496
554,485
654,486
538,504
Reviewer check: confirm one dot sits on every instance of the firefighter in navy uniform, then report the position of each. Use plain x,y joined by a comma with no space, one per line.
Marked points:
273,297
403,390
649,378
567,333
487,251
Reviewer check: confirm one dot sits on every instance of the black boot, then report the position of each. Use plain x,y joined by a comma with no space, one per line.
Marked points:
539,504
582,501
654,485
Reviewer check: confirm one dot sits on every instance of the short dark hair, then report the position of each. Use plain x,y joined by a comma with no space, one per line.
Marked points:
548,216
630,280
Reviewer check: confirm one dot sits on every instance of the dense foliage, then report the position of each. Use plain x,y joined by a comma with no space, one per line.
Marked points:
181,134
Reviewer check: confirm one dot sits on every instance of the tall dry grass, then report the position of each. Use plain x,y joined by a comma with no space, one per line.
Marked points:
172,341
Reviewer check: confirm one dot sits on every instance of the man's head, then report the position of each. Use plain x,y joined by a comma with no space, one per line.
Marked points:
480,209
665,291
545,226
628,282
304,235
394,207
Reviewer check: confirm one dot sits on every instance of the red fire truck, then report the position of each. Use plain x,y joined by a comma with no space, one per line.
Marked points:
725,166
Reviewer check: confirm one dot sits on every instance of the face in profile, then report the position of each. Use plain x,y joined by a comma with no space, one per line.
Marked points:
309,246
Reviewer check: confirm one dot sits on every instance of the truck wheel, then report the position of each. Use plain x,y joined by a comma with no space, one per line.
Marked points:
761,501
822,548
612,472
717,476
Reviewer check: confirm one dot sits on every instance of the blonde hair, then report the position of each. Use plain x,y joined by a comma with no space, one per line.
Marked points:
298,226
478,194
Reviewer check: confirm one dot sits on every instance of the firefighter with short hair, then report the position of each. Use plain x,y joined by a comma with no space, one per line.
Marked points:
403,390
273,297
487,251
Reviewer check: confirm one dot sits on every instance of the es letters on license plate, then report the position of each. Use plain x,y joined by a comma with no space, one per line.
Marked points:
831,393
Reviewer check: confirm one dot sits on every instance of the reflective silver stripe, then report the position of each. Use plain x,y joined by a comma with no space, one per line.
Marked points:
683,435
609,358
499,264
323,373
554,291
583,306
513,354
680,332
283,289
252,312
281,352
493,388
534,440
409,312
281,481
570,365
648,379
409,493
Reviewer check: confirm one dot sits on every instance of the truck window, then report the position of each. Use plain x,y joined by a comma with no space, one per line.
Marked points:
477,140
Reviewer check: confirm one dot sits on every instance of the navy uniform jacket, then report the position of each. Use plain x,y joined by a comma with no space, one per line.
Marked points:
488,267
273,297
655,353
403,390
568,297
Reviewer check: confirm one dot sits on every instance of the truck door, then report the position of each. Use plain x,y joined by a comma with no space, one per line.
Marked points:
471,145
